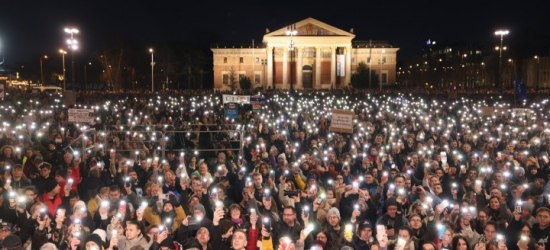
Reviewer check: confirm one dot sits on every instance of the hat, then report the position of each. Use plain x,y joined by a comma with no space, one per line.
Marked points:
12,241
50,185
333,211
168,243
391,202
95,238
528,206
78,204
63,173
346,248
102,234
311,176
5,225
282,156
364,224
199,207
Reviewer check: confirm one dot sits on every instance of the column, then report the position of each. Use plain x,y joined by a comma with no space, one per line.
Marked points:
317,67
269,66
348,66
285,68
299,84
333,65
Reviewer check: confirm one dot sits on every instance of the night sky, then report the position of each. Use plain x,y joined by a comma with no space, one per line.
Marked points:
30,28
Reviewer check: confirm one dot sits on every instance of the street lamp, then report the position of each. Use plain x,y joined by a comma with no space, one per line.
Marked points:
63,55
501,33
3,57
381,61
152,70
73,45
41,71
291,31
86,75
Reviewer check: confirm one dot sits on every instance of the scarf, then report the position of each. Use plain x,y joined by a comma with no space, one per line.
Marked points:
238,221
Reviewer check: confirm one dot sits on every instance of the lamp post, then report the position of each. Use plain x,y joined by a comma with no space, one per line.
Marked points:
152,70
3,57
41,70
73,45
537,75
86,75
291,31
64,79
501,33
381,61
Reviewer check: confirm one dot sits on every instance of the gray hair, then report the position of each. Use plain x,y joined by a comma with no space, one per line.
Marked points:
48,246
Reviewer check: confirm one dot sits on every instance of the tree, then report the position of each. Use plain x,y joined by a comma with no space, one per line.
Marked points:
232,79
245,83
360,79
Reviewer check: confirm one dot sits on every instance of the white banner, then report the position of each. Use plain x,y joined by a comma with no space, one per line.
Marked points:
522,112
242,99
341,65
342,121
81,115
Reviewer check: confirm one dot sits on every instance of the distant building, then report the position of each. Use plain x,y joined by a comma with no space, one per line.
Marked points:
322,56
536,72
448,65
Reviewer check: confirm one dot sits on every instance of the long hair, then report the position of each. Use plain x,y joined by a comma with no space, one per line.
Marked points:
458,237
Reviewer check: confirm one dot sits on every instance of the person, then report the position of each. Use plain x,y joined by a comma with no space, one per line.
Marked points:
12,242
460,243
238,240
392,220
133,237
541,230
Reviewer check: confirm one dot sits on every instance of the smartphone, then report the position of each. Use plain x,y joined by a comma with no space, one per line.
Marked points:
267,194
285,243
43,213
305,210
122,207
381,229
441,228
267,224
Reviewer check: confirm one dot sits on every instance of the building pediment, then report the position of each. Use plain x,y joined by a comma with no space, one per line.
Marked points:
311,27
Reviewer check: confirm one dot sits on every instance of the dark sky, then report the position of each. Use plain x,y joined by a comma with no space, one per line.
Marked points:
29,28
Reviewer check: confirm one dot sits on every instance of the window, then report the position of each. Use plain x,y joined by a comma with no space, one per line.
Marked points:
225,79
225,60
384,78
353,59
241,59
257,77
241,76
257,60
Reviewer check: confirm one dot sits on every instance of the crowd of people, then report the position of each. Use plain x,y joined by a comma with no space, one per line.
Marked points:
172,172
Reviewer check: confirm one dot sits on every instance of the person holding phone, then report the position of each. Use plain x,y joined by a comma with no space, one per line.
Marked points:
392,219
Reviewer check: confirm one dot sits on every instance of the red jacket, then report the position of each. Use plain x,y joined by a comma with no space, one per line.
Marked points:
252,239
52,207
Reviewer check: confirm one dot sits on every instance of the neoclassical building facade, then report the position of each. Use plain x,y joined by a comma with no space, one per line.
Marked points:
317,56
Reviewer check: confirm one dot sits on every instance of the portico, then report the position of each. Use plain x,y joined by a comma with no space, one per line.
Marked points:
322,57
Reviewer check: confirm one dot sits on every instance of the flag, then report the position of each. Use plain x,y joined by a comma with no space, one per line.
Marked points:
520,89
